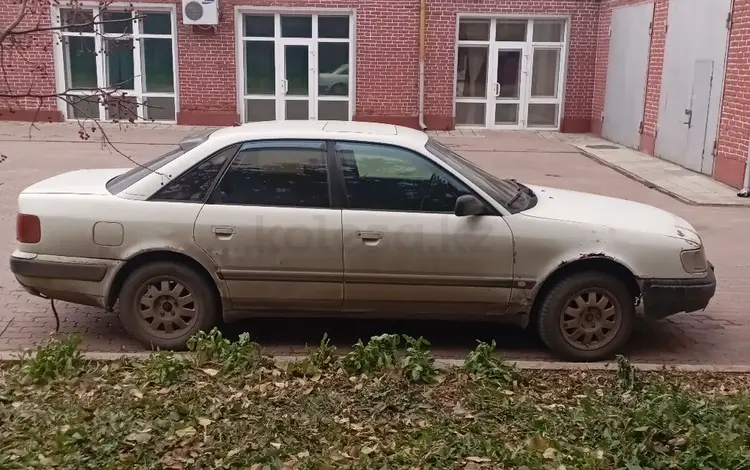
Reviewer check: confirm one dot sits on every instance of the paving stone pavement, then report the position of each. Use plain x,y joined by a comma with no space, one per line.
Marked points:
720,335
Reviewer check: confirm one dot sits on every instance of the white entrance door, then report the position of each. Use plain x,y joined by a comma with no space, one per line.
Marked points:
295,84
509,72
296,66
507,100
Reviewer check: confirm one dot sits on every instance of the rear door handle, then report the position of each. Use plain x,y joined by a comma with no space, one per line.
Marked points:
370,235
223,230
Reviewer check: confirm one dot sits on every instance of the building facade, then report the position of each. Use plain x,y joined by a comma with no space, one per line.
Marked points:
613,67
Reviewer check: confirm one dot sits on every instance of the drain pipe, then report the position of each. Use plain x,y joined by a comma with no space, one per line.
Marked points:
422,20
746,185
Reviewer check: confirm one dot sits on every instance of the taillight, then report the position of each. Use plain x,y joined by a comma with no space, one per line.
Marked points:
28,228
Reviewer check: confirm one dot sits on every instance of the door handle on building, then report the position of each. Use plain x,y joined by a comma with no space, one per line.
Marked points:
284,85
689,114
497,89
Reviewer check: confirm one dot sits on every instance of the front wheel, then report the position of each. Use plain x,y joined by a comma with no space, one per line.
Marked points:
587,317
163,304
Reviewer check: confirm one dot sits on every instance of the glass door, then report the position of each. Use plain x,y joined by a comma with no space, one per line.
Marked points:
509,72
296,78
507,106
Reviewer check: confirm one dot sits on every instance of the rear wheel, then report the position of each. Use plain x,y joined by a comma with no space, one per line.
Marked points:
587,317
163,304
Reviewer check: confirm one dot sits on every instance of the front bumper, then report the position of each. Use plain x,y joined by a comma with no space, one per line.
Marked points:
665,297
77,280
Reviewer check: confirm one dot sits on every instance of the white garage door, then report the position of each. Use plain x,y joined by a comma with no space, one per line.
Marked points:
627,71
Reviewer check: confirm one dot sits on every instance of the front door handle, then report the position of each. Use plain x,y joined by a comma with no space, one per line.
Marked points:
223,230
370,236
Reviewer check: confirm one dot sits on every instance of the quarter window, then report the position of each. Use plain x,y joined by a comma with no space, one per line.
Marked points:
381,177
286,174
194,185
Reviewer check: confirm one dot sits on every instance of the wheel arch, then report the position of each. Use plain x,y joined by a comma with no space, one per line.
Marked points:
598,262
150,256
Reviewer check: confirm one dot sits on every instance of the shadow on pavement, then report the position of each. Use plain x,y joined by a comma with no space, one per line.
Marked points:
449,338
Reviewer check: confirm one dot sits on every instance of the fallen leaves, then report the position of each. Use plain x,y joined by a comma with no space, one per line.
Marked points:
271,419
205,422
140,438
185,432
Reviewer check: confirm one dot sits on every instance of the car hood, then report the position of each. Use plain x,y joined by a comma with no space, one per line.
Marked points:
76,182
620,214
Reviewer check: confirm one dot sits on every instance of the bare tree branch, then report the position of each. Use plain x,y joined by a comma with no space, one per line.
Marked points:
29,30
16,21
40,29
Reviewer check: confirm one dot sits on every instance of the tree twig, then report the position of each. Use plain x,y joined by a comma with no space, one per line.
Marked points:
16,21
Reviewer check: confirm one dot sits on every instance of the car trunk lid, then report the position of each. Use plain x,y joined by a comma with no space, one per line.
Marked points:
76,182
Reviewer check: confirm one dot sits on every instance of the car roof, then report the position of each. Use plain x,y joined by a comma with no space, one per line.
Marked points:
334,130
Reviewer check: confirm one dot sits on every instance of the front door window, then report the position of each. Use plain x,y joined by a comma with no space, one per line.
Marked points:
382,177
296,67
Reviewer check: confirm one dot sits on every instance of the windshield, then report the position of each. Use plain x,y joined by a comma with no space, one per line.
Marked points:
120,183
502,190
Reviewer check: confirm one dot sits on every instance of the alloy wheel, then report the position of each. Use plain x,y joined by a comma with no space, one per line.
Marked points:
166,307
590,319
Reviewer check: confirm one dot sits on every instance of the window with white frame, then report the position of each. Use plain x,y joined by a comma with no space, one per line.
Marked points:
296,65
116,64
509,72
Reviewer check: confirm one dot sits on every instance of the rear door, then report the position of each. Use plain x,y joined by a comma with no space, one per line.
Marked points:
270,227
405,249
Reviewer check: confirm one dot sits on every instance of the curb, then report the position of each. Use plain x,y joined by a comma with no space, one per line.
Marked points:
651,185
8,356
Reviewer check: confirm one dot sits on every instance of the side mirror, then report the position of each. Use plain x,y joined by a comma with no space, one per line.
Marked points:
469,205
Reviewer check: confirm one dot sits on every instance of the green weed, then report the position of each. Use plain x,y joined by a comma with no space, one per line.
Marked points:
54,359
378,355
163,368
419,364
212,349
482,365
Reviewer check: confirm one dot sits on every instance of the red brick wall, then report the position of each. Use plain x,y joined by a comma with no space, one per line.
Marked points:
653,82
386,58
441,37
386,61
27,65
734,128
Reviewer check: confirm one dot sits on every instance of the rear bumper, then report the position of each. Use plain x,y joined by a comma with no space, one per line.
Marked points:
665,297
78,280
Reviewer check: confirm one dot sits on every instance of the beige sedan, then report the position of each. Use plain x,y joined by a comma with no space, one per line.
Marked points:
351,219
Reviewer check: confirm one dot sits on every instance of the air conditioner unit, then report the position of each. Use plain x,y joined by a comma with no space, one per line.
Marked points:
200,12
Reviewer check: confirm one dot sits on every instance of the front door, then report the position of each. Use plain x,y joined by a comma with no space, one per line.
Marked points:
506,105
296,80
270,228
509,73
296,67
405,250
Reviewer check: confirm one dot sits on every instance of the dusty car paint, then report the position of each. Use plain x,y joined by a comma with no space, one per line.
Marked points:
347,260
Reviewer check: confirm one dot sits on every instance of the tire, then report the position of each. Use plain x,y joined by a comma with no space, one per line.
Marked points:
189,309
568,317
